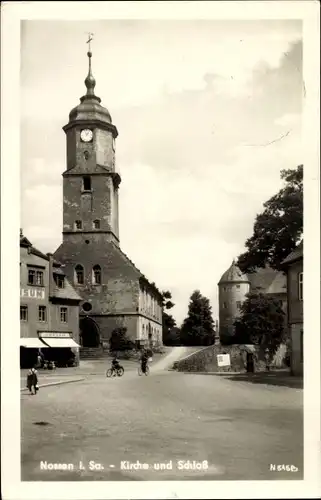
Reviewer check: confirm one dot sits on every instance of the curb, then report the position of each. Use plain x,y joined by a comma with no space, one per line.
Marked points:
55,383
219,374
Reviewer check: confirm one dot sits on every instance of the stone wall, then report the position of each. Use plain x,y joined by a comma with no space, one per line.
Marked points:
205,360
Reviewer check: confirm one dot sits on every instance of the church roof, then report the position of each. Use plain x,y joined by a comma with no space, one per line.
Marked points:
297,254
233,275
118,262
141,275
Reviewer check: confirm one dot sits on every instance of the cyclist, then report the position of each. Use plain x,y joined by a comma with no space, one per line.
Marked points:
115,364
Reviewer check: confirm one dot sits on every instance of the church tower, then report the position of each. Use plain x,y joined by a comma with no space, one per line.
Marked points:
90,183
233,288
115,294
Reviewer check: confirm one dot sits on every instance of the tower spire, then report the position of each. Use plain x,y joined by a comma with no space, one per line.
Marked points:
90,81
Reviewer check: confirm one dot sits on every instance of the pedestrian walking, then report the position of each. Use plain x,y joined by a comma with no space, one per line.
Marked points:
32,381
39,361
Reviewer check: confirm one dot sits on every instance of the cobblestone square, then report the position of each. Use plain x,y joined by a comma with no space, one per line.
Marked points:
167,426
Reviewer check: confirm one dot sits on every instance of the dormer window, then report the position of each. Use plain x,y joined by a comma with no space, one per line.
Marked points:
86,183
96,224
59,280
78,224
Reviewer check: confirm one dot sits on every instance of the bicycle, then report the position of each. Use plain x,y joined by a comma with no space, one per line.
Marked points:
140,371
115,372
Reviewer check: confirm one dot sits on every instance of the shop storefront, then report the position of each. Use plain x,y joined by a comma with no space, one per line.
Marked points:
59,347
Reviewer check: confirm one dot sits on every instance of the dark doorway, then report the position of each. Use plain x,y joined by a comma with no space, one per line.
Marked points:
89,332
150,336
28,357
249,362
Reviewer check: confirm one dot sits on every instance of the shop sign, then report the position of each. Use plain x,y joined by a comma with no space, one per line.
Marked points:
223,360
56,335
32,293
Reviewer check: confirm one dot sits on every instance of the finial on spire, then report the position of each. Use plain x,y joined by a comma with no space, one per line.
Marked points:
90,38
90,81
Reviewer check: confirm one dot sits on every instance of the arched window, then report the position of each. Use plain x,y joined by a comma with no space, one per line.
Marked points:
79,274
86,183
96,224
78,224
97,275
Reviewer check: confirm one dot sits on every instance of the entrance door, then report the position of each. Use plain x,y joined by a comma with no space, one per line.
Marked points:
249,362
89,333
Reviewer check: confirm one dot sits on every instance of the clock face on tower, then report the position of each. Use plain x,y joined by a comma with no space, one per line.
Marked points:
86,135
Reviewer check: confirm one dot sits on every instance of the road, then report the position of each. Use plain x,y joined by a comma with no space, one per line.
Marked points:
237,428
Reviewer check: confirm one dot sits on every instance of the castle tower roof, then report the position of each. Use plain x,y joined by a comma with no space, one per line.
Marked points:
233,275
90,107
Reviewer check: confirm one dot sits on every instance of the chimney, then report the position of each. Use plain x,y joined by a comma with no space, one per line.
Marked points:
51,278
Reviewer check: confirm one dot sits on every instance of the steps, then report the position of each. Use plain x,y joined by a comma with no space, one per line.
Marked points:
93,353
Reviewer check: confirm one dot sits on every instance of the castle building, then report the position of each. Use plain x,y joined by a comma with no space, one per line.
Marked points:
49,308
235,285
114,292
233,288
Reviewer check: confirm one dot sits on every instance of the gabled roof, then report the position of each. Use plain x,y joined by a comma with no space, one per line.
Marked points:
141,275
267,280
116,255
262,278
297,254
25,243
278,285
38,253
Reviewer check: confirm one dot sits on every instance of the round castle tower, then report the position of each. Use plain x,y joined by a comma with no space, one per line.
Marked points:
233,287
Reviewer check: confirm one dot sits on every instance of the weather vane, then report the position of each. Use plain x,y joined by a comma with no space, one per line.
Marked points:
90,38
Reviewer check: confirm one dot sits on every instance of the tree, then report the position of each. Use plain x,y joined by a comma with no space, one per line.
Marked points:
119,341
198,326
261,322
278,229
168,321
171,336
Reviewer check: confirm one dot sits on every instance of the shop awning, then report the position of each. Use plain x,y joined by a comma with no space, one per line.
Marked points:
32,342
60,342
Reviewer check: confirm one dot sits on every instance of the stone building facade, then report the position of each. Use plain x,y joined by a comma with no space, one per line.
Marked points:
235,285
49,307
114,292
293,265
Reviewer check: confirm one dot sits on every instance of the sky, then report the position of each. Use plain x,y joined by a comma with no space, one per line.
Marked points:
208,114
